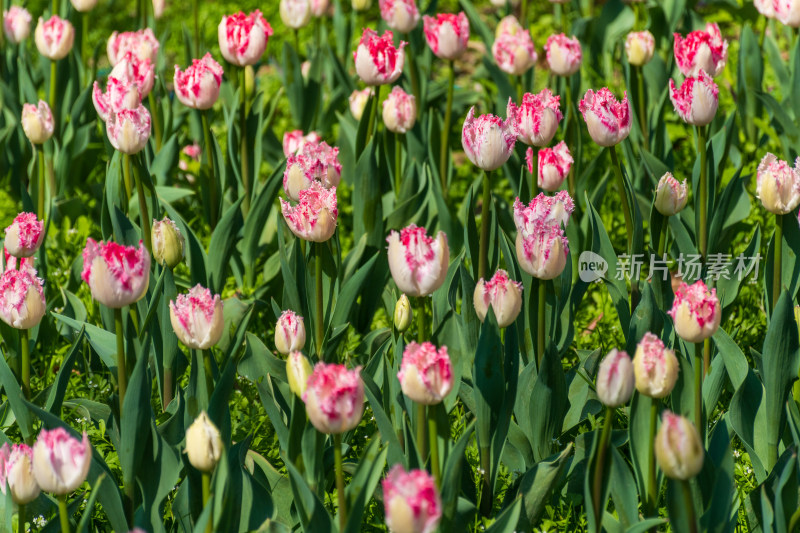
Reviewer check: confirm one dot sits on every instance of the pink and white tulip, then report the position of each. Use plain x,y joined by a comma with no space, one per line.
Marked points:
198,86
697,99
290,333
488,140
319,7
564,54
399,111
418,263
701,50
426,374
640,47
778,184
37,122
554,165
197,318
117,275
16,24
541,245
514,52
411,501
615,379
447,34
83,6
16,470
142,44
358,101
502,294
22,304
671,195
24,235
243,38
60,461
678,448
655,367
334,398
400,15
131,69
295,14
314,217
18,263
119,95
54,37
294,141
317,162
765,7
129,129
608,119
377,60
555,209
536,119
696,312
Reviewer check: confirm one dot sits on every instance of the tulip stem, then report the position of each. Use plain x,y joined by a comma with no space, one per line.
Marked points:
398,167
167,388
570,128
21,519
54,9
487,497
642,108
623,194
340,496
597,482
534,173
144,217
523,14
243,156
320,318
698,388
412,68
373,112
777,263
25,352
662,237
122,372
421,320
541,325
126,179
156,120
206,497
62,513
85,40
422,438
209,372
433,433
448,114
652,481
703,191
40,186
688,502
483,259
53,75
212,182
196,13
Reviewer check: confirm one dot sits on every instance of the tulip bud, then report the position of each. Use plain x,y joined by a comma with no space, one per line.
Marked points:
203,444
640,47
37,122
168,242
607,119
537,118
142,45
403,315
24,235
290,333
243,38
503,3
564,55
488,141
615,379
129,129
17,24
117,275
418,263
295,13
411,501
361,5
701,51
778,184
358,101
679,451
447,34
22,304
298,369
60,461
314,218
334,398
697,99
655,366
426,375
503,294
514,52
294,141
377,60
695,311
553,166
399,111
197,318
54,37
158,8
16,470
400,15
671,195
198,86
83,6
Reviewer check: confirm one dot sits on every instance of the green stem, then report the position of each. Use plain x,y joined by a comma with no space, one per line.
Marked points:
40,186
168,379
523,14
487,496
541,325
156,119
212,181
320,318
340,496
535,173
421,320
698,388
597,482
398,167
483,258
206,497
570,128
25,350
652,480
706,356
422,438
433,434
642,108
53,80
209,372
122,372
21,518
794,522
85,39
448,114
63,514
412,68
243,154
662,236
688,502
126,179
623,194
144,216
778,262
196,13
703,191
373,112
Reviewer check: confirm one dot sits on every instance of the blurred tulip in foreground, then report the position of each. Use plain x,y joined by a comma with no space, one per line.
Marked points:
16,469
418,263
400,15
117,275
334,398
358,101
16,24
295,13
198,86
197,318
697,99
378,61
502,294
514,52
564,54
54,37
426,375
60,461
701,50
319,7
765,7
615,379
298,370
24,236
447,34
411,501
554,165
294,141
290,333
695,311
656,367
679,450
778,184
83,6
360,5
399,111
243,38
671,195
488,140
608,119
203,444
37,122
314,217
22,303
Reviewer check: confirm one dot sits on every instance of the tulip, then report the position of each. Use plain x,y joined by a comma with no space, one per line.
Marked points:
701,50
361,5
290,333
695,311
514,52
377,60
129,129
563,54
168,242
697,99
198,86
142,44
608,120
298,370
295,13
203,444
37,122
678,448
671,195
117,275
778,185
358,101
503,294
140,72
554,166
488,141
197,318
243,38
640,47
158,8
314,218
403,315
655,366
22,303
83,6
502,3
400,15
16,470
426,375
54,37
119,95
543,252
319,7
317,162
24,235
418,263
399,111
24,264
765,7
447,34
549,209
615,379
411,501
60,461
294,141
537,118
334,398
16,24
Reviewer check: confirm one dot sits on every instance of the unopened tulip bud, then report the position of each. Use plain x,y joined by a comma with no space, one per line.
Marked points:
418,263
671,195
400,15
203,444
411,501
16,470
158,8
60,461
54,37
117,275
358,101
702,50
22,303
615,379
290,333
298,369
168,242
640,47
24,235
679,451
696,101
503,294
564,55
361,5
378,61
447,34
778,185
607,119
243,38
488,140
399,111
197,318
17,24
334,398
655,366
403,315
695,311
295,13
37,122
83,6
426,374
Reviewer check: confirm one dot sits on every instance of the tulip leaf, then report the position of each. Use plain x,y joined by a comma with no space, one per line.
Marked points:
15,398
313,515
55,396
222,243
363,483
508,519
537,485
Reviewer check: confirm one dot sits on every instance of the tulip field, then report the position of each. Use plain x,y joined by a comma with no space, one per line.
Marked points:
400,265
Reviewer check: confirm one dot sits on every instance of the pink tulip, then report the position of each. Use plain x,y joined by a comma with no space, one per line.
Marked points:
295,13
294,141
117,275
447,34
243,38
334,398
131,69
765,7
197,318
61,462
119,95
16,470
399,111
24,264
514,52
640,47
411,501
37,122
22,304
377,60
400,15
537,118
290,333
319,7
17,24
317,162
142,44
701,50
418,263
488,140
198,86
697,99
541,245
608,120
426,375
24,235
129,129
563,54
554,166
615,379
550,209
502,294
314,217
778,184
696,312
655,367
54,37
